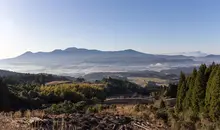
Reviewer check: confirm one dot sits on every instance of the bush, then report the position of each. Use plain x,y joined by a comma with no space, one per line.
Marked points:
66,107
91,109
97,108
80,105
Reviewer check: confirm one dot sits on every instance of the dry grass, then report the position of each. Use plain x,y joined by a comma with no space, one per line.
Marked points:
18,114
146,111
21,120
143,80
34,113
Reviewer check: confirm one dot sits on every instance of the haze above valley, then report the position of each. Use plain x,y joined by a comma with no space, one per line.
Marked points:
78,62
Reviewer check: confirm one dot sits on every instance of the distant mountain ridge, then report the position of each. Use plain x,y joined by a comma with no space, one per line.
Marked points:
82,61
75,55
193,53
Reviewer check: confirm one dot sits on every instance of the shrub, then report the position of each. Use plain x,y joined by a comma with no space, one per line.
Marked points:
91,109
80,105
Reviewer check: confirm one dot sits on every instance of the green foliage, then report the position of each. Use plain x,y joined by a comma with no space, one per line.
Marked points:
39,79
203,93
171,91
116,87
181,92
209,89
28,91
74,92
96,108
187,103
67,107
215,98
199,90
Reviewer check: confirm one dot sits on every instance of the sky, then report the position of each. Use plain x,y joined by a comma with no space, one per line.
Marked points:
150,26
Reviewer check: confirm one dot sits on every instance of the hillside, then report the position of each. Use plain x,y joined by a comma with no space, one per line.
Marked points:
7,73
125,75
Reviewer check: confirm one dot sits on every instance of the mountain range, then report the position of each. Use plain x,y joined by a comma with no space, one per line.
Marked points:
193,53
76,61
75,56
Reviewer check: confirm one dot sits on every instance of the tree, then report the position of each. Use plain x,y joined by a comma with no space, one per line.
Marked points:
181,92
209,88
214,112
42,79
188,99
199,90
172,91
80,80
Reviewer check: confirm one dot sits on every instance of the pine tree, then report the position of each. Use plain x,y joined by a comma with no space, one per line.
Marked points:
199,90
188,99
214,112
209,88
181,92
209,70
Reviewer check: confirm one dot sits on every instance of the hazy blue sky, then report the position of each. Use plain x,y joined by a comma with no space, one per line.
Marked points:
151,26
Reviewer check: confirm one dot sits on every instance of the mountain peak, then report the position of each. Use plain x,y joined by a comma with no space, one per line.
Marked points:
71,49
28,53
57,50
130,50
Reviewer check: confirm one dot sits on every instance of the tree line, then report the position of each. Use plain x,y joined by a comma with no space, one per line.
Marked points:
29,92
200,92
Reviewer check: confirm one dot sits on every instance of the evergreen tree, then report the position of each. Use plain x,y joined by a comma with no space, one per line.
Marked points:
214,112
199,90
188,99
172,91
209,88
181,92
